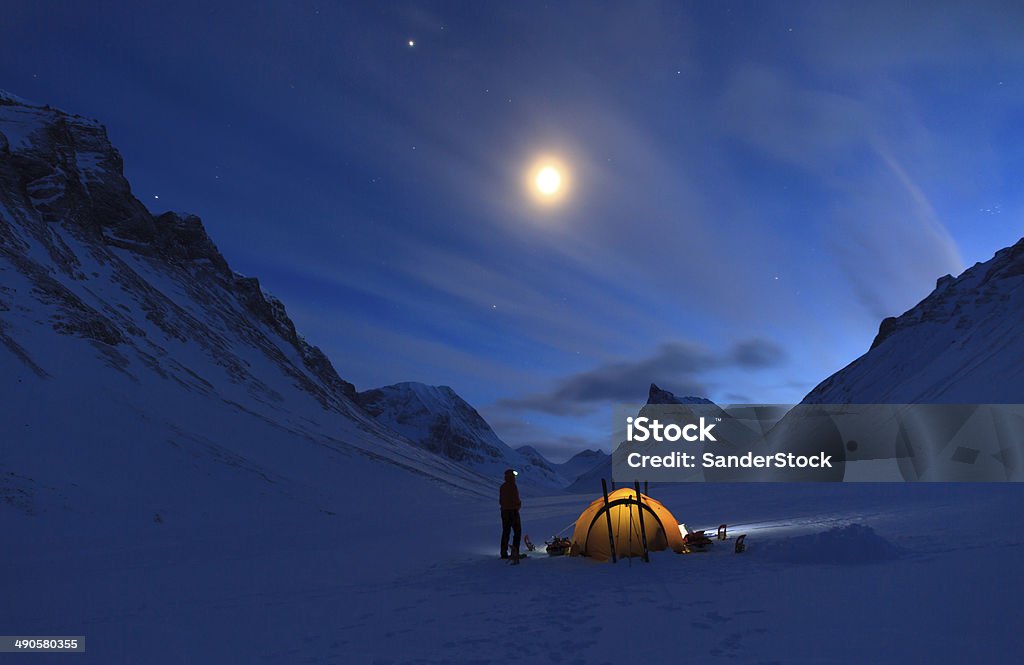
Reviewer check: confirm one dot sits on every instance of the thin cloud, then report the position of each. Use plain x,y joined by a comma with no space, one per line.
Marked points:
889,242
680,366
758,353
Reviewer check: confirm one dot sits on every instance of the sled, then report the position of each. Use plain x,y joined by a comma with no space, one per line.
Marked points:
697,541
558,546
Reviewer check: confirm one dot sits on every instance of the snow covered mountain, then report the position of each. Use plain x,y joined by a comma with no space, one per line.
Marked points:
536,458
438,420
656,395
581,463
961,344
139,372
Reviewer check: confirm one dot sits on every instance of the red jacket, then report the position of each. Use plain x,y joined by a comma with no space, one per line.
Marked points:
508,497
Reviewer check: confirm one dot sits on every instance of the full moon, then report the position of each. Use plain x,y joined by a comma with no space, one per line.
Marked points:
548,181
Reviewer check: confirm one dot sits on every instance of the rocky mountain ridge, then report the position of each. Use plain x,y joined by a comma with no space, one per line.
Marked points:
961,343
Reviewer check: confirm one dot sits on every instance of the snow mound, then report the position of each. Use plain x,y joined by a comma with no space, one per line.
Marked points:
851,544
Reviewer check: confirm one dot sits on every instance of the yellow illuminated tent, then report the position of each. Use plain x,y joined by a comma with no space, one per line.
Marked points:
590,537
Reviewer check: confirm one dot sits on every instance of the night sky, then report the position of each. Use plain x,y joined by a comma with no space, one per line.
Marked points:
748,188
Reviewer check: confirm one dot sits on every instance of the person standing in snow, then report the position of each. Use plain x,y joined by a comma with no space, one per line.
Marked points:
508,497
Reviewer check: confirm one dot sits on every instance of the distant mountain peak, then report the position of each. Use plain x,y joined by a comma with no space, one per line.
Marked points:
657,395
438,419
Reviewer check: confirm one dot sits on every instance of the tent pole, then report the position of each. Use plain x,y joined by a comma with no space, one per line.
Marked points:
608,517
640,513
